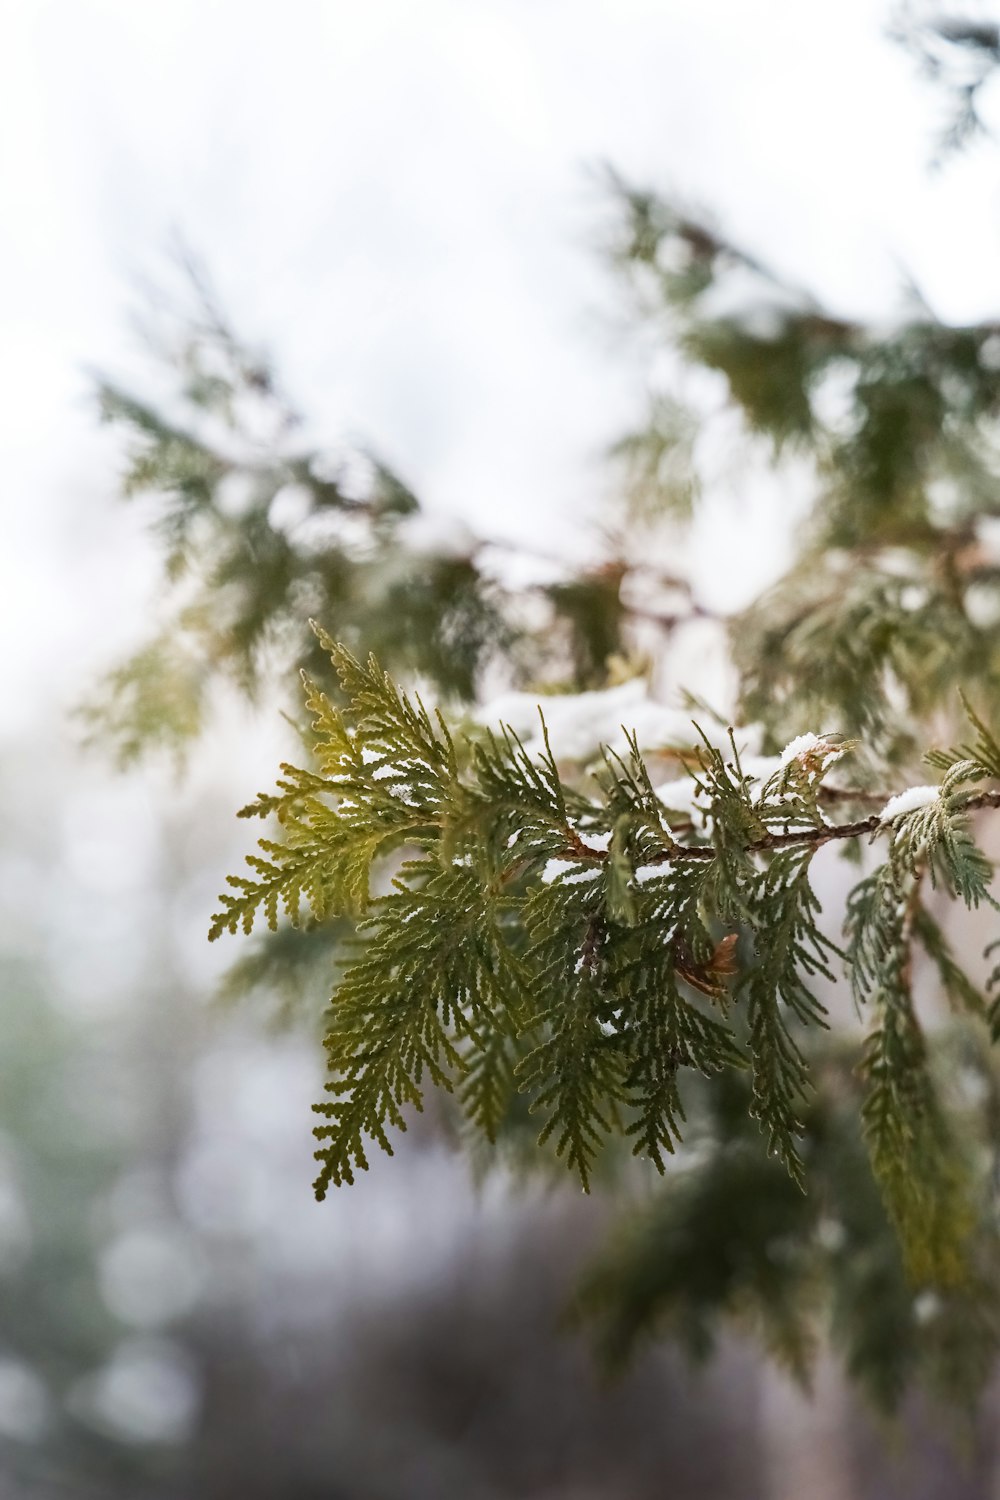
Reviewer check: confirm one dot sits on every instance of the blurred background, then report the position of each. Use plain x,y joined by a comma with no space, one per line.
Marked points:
402,204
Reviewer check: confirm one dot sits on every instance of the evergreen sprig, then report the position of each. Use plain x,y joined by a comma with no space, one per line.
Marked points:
434,970
791,951
571,947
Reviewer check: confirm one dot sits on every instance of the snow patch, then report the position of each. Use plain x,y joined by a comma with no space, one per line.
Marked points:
596,841
580,723
801,745
682,795
908,801
761,767
813,752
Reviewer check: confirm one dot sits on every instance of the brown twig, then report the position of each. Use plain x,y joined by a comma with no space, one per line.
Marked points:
823,834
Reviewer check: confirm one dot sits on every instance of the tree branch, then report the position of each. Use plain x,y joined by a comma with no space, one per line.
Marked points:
824,834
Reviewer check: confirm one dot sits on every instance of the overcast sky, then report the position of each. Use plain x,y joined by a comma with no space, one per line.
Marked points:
394,198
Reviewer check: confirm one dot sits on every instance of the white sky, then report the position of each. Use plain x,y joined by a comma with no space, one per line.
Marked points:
393,197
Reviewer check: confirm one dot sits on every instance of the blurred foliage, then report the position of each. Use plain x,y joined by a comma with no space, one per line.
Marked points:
958,51
260,533
890,604
733,1237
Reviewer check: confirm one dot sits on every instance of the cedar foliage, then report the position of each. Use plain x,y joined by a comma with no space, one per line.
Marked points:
645,972
518,887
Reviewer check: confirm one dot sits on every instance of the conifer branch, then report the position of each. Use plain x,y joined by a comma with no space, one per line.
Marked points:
549,943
